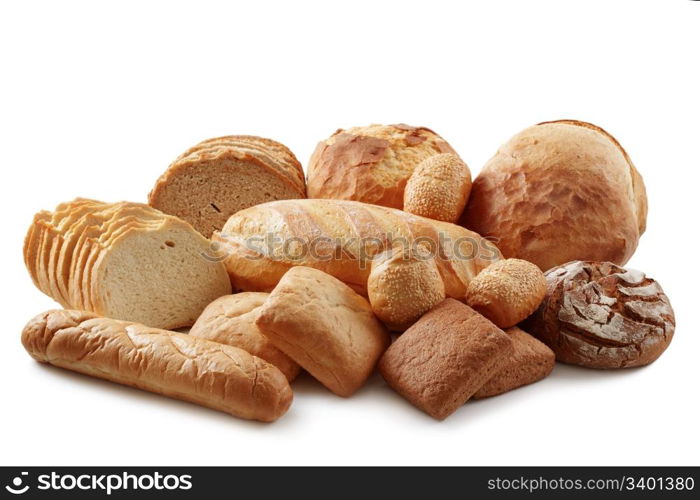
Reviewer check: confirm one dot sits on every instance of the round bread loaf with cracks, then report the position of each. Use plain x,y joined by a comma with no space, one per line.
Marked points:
599,315
557,192
371,164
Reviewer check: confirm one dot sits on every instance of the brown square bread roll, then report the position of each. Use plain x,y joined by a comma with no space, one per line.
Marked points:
530,361
326,327
445,357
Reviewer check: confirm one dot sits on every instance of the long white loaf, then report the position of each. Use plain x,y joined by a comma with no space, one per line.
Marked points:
340,237
218,376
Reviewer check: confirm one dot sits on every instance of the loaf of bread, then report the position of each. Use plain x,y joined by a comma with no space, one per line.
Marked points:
231,319
600,315
123,260
371,164
557,192
445,357
172,364
438,188
218,177
327,328
261,243
507,291
403,285
529,361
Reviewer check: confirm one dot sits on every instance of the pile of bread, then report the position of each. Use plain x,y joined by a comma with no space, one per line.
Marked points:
481,285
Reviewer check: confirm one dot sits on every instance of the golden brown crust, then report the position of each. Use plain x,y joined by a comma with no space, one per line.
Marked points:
370,164
444,358
172,364
438,188
507,291
530,361
558,192
231,319
341,237
323,325
403,285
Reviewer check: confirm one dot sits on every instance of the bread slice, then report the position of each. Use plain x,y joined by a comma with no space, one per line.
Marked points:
99,246
218,177
158,276
68,228
123,216
124,260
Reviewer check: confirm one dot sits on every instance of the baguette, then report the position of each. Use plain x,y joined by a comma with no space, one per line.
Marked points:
340,237
173,364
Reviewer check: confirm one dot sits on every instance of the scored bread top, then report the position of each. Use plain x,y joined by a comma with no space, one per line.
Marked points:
340,237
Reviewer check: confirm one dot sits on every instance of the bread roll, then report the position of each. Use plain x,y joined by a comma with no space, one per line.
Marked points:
443,359
371,164
218,177
557,192
231,319
403,285
529,362
172,364
507,291
323,325
261,243
599,315
438,188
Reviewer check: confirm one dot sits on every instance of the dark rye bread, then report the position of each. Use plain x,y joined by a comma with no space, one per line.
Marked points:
445,357
600,315
529,362
218,177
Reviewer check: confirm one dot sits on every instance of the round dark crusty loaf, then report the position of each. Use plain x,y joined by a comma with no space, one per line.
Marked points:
600,315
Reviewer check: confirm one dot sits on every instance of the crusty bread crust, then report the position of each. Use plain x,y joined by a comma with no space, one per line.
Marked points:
599,315
403,285
323,325
371,164
340,238
529,362
231,319
557,192
172,364
438,188
507,291
444,358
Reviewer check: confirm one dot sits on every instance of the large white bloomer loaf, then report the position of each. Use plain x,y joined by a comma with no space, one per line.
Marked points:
340,237
173,364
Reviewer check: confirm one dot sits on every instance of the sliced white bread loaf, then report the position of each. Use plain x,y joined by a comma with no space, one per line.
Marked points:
218,177
124,260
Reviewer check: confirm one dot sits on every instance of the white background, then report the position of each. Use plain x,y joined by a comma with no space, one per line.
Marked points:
96,100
